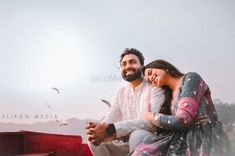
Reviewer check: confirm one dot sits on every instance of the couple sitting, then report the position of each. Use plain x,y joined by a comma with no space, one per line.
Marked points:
170,114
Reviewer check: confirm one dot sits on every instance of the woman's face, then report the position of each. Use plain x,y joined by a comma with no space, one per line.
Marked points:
156,76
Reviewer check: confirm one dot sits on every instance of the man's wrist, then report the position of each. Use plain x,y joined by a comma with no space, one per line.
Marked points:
111,129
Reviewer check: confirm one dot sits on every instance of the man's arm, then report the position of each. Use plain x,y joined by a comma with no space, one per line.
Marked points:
157,98
115,113
125,127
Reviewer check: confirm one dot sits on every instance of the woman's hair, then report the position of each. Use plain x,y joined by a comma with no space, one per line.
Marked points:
172,71
166,107
166,66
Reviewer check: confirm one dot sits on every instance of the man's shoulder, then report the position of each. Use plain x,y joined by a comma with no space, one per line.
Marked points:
122,88
151,86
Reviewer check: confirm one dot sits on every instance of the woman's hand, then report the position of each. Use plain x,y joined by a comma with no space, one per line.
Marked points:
149,116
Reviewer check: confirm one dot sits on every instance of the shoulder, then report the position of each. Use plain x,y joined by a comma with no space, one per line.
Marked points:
149,85
152,88
122,88
193,75
191,81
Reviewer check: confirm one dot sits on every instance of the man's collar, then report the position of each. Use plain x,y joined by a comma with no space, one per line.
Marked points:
140,85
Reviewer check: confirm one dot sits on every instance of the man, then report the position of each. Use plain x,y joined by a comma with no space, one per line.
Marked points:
126,114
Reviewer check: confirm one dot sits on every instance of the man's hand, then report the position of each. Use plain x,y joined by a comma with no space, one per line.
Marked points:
96,132
89,131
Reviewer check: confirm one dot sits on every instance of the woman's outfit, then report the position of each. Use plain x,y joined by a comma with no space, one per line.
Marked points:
192,129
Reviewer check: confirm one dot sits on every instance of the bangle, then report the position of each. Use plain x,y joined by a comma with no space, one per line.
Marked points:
153,117
155,120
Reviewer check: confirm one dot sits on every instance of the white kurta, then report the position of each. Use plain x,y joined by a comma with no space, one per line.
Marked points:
127,111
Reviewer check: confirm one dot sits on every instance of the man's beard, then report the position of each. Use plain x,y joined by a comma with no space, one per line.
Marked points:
137,74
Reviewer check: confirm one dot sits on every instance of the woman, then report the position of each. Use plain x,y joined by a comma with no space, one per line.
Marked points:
192,128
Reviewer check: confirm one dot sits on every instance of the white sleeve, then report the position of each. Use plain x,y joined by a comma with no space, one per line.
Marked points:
125,127
115,113
157,98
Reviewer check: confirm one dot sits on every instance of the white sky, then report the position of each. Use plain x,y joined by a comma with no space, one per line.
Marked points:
66,43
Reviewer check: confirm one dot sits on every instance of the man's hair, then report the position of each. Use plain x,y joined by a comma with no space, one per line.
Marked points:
134,52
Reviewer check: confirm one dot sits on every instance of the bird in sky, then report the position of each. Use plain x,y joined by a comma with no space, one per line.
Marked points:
60,123
63,124
56,89
106,102
49,106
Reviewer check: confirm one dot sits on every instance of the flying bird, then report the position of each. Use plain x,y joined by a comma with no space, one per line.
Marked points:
49,106
63,124
60,123
106,102
56,89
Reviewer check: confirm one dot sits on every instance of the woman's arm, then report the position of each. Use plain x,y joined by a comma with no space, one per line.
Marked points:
192,91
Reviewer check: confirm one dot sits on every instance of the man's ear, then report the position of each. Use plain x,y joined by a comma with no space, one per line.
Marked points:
142,69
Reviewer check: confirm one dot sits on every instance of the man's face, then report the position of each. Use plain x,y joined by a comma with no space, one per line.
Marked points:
131,68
